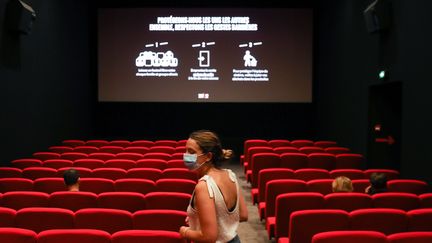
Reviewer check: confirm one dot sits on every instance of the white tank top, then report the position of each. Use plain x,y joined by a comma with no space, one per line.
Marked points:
228,221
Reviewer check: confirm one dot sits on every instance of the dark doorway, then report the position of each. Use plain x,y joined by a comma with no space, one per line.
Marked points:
384,134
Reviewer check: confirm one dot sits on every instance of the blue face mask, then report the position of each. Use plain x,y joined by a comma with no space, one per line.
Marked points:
190,161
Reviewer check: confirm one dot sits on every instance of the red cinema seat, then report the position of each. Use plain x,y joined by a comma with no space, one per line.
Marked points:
49,185
159,219
144,173
96,185
261,161
10,172
73,156
348,201
179,150
74,236
24,163
106,219
308,174
148,236
160,164
293,161
420,219
247,163
288,203
129,201
275,143
181,142
16,235
129,156
265,175
176,163
305,224
337,150
179,173
121,143
323,186
86,149
397,200
96,142
89,163
175,185
57,163
410,237
46,155
157,155
408,185
109,173
142,186
73,200
325,143
353,174
102,156
7,217
391,174
125,164
73,142
324,161
285,149
384,220
425,200
34,173
298,143
167,200
83,172
166,142
142,143
178,155
15,184
162,149
360,185
311,149
136,149
351,236
112,149
60,149
24,199
40,219
349,161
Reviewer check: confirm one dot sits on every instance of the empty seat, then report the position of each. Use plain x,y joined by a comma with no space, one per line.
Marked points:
167,200
301,143
285,149
175,185
106,219
311,149
57,163
181,142
308,174
15,184
179,173
162,149
349,161
73,236
49,185
322,161
157,155
24,199
159,219
325,143
391,174
86,149
112,149
178,155
250,152
136,149
142,143
398,200
279,143
16,235
179,149
384,220
160,164
265,175
175,163
360,185
89,163
353,174
129,155
46,155
7,217
60,149
425,200
73,200
142,186
348,201
125,164
34,173
323,186
410,237
148,236
97,142
96,185
10,172
337,150
420,219
24,163
293,161
122,143
109,173
352,236
408,185
73,142
40,219
129,201
144,173
261,161
73,155
102,156
165,142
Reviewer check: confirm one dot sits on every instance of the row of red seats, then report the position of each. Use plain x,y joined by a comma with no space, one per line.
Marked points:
99,185
277,187
287,203
55,150
39,219
305,224
123,143
371,237
153,174
18,235
129,201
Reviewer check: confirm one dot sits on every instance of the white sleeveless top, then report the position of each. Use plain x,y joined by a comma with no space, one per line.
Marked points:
228,221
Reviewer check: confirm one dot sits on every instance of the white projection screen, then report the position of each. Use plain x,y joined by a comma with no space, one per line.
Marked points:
205,55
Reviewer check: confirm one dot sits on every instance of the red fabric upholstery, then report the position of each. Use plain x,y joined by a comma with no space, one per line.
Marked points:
40,219
159,219
129,201
142,186
323,186
148,236
7,217
348,201
96,185
34,173
16,235
349,161
293,160
410,237
73,200
23,199
74,236
109,173
109,220
308,174
167,200
349,236
420,219
175,185
322,161
385,220
49,185
145,173
179,173
15,184
398,200
125,164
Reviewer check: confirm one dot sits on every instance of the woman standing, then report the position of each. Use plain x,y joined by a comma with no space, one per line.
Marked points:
217,205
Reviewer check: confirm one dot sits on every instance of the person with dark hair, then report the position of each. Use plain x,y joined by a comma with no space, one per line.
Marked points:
71,179
217,205
378,183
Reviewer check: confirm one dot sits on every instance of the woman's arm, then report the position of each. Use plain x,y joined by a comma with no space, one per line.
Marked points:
242,208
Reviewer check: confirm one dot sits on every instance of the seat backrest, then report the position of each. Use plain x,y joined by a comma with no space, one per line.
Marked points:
122,143
7,217
391,174
348,201
49,185
310,149
305,224
17,235
323,186
23,199
58,163
73,200
130,156
34,173
175,163
46,155
308,174
96,185
285,149
261,161
60,149
301,143
129,201
109,220
322,161
277,187
167,200
265,175
398,200
73,142
325,143
353,174
109,173
144,173
159,236
351,236
137,149
175,185
425,200
10,172
83,172
142,143
40,219
112,149
142,186
74,235
275,143
162,149
293,160
24,163
287,203
157,155
125,164
384,220
87,149
350,161
420,219
410,237
73,155
15,184
179,173
408,185
337,150
102,156
89,163
160,164
97,142
360,185
159,219
165,142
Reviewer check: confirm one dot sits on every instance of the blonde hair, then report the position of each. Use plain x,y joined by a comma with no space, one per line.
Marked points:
342,184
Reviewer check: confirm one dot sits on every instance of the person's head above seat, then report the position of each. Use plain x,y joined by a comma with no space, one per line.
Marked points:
71,179
342,184
378,183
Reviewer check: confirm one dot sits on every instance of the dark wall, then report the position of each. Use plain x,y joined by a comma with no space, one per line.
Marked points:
46,91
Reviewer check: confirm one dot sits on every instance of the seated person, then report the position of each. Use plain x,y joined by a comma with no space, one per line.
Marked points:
342,184
71,179
378,183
